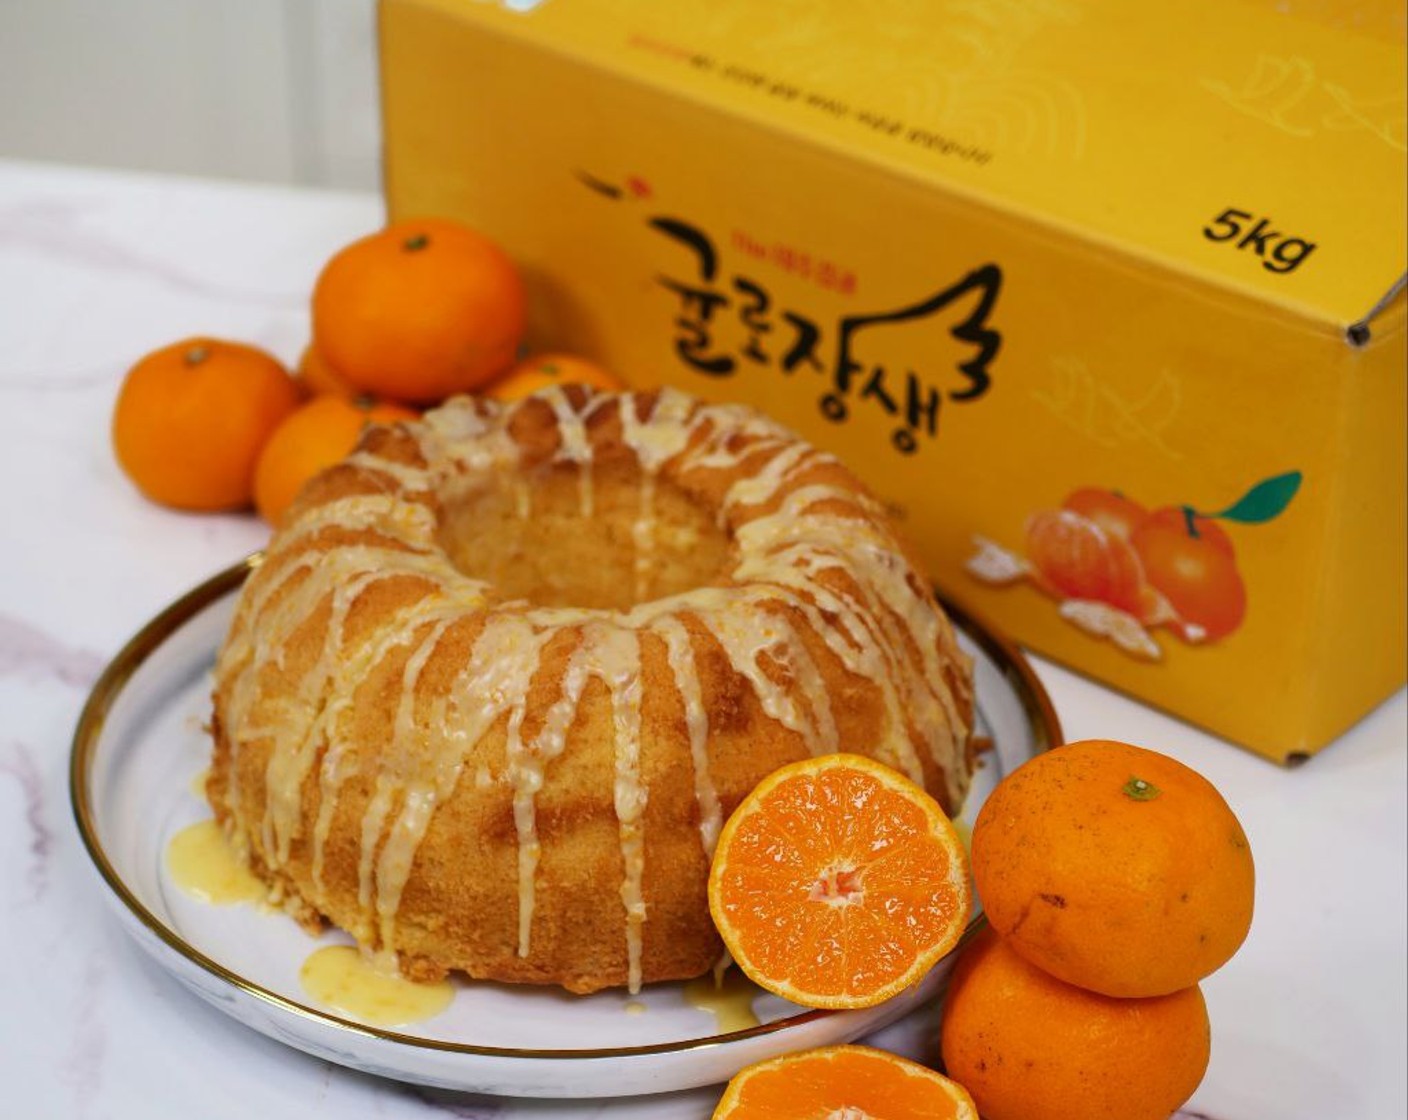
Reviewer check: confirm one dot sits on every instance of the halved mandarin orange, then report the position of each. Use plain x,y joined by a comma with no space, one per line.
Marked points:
838,883
843,1081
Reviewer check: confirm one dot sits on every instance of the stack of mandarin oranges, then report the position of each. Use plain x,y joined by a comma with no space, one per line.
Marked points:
401,320
1113,878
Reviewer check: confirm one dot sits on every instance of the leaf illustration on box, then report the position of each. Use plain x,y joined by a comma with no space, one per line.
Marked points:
1265,500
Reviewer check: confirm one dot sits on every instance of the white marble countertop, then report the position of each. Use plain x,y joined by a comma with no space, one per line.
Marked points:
1310,1019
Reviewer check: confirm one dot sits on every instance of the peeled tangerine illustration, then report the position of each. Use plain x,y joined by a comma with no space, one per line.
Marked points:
1118,569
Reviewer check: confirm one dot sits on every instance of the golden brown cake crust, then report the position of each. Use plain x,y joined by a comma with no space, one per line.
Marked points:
504,672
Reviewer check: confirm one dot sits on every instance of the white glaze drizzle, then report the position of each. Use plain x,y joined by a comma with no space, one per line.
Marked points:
654,443
527,765
574,447
679,651
618,656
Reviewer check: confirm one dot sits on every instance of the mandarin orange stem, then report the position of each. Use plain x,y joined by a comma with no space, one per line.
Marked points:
1189,519
1137,789
416,243
195,355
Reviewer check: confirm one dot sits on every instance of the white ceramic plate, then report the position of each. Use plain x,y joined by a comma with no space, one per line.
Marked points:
138,750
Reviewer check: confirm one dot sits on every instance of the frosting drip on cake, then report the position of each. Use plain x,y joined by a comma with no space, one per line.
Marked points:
824,552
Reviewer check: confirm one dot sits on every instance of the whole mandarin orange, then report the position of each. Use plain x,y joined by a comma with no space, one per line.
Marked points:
543,370
192,417
1027,1046
316,377
1114,868
1190,561
322,432
419,311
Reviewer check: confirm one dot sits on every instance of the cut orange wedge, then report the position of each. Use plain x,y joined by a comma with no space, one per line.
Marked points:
838,883
843,1081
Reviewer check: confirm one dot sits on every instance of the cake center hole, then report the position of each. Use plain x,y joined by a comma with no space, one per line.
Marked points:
604,541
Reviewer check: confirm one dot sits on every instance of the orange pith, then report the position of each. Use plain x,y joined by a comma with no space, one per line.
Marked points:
838,883
843,1081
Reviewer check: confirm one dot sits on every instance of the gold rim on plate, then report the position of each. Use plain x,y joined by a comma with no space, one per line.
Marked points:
1037,707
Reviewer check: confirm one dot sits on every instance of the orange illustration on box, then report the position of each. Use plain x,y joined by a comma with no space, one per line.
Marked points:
1119,570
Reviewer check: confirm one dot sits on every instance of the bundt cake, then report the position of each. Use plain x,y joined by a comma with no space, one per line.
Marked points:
503,673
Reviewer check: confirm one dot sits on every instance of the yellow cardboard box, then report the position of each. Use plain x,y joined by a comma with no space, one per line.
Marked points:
1104,298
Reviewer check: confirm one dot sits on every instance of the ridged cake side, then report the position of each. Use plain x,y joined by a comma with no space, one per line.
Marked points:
472,780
